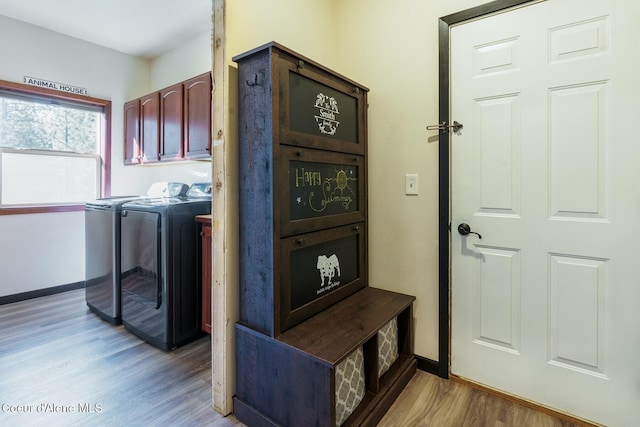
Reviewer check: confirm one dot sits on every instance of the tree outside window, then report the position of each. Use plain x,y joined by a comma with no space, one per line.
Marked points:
50,148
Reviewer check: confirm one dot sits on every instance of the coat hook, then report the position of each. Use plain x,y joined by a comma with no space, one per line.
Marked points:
254,82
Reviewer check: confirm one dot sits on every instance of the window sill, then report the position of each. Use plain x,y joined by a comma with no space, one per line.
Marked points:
20,210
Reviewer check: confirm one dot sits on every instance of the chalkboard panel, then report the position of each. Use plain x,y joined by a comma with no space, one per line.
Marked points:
319,269
319,110
318,189
322,268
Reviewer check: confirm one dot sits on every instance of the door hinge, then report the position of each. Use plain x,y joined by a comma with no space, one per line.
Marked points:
444,127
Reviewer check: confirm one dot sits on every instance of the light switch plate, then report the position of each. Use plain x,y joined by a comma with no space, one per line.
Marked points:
411,184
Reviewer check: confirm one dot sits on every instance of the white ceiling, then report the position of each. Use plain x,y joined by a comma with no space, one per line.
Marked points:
145,28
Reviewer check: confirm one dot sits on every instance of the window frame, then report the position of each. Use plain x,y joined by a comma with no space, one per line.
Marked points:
105,149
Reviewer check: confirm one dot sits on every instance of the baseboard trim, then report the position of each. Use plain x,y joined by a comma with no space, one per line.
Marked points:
8,299
528,403
428,365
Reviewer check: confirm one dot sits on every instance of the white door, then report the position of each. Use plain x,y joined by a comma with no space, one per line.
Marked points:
546,305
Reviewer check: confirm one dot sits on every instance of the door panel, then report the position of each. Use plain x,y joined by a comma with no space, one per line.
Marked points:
496,299
546,305
577,115
577,336
496,133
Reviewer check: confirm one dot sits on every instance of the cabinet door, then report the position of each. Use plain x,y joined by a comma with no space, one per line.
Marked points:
149,127
197,117
132,132
171,123
206,278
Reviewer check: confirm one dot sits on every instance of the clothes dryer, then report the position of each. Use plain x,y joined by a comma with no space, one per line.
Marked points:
160,269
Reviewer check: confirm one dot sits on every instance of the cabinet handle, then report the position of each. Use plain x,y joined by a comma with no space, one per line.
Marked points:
201,233
300,153
356,228
300,242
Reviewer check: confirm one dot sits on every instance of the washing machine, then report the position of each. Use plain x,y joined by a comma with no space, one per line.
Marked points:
160,267
102,248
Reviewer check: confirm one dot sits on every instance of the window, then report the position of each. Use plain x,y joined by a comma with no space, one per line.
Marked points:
54,149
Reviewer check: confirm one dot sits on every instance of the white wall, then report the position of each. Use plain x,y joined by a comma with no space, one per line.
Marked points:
307,27
392,48
45,250
189,60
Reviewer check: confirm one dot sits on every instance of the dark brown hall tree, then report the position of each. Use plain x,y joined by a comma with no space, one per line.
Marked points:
315,344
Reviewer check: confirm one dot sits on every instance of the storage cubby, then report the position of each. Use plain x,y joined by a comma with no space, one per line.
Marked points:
291,380
315,344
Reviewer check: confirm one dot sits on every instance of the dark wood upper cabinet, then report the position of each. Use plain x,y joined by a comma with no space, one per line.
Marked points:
150,127
171,124
197,117
132,132
171,108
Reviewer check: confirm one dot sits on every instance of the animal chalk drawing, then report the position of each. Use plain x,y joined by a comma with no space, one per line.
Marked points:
329,268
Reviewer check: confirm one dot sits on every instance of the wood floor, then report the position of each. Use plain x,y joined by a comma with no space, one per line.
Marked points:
432,401
54,351
66,367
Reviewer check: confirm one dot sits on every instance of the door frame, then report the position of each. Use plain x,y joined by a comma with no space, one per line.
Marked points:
441,368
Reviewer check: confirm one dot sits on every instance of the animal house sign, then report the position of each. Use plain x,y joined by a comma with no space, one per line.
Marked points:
62,87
